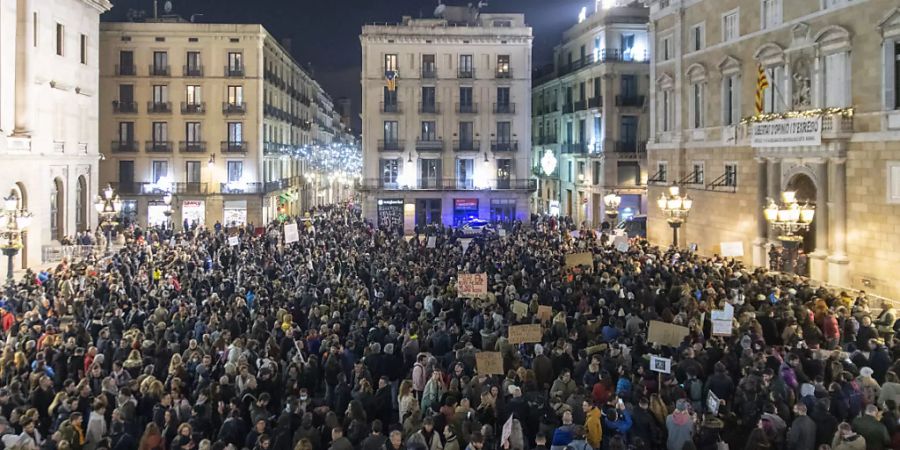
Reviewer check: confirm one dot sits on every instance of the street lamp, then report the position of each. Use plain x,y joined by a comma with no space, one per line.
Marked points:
167,200
108,206
787,220
612,202
676,207
11,231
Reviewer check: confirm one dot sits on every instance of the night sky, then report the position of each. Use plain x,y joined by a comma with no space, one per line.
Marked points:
325,33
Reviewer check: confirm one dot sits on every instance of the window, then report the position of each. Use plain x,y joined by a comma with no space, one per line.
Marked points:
235,62
192,95
192,68
771,13
390,131
160,93
159,169
60,38
774,100
390,100
83,53
465,172
503,65
503,210
894,79
697,173
730,107
126,62
235,132
235,95
662,172
598,130
570,171
667,110
160,132
428,99
390,62
731,175
837,80
126,132
80,204
390,170
192,171
466,135
665,47
34,29
698,37
628,132
235,171
597,172
192,132
628,50
503,96
160,63
428,131
629,86
504,173
581,167
730,26
697,105
126,95
428,66
465,99
429,173
503,132
466,66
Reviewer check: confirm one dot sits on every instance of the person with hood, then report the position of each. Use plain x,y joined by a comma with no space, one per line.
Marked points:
680,426
426,437
802,433
847,439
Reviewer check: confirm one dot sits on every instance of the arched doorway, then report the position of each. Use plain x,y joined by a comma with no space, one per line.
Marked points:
805,190
57,210
81,204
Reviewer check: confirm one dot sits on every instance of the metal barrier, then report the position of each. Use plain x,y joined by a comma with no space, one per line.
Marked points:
56,253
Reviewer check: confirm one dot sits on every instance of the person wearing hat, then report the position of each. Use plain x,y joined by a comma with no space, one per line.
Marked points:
680,426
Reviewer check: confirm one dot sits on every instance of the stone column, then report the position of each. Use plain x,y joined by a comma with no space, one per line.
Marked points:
762,227
774,189
838,261
817,265
23,41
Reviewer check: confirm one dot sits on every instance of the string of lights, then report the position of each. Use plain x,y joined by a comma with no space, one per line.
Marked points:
818,112
336,158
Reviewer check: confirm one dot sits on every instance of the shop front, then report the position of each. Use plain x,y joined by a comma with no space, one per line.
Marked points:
235,213
390,213
156,214
193,211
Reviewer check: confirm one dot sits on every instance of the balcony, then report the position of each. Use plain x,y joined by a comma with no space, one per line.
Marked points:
191,188
233,147
124,107
615,55
429,72
595,102
503,72
126,70
466,73
445,184
568,108
429,145
193,108
392,145
545,140
391,108
130,187
466,145
239,188
124,146
467,108
504,108
158,146
633,101
229,108
429,108
504,146
158,71
159,107
630,149
580,105
233,71
192,146
192,71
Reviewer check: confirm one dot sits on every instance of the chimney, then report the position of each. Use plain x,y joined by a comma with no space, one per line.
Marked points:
286,43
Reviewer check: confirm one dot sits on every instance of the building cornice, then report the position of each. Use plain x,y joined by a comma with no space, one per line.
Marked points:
420,39
101,6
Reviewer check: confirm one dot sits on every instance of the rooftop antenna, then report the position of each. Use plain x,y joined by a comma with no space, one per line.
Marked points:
155,10
167,7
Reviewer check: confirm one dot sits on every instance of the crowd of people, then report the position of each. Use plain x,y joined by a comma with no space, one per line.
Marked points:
355,338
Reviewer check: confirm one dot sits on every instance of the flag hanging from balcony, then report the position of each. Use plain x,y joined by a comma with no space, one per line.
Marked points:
762,83
390,77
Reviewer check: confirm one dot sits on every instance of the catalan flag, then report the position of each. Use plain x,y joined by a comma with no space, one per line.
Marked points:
762,83
390,76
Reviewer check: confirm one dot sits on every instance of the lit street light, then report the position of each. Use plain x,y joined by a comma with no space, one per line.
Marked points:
11,231
108,206
612,202
676,207
787,220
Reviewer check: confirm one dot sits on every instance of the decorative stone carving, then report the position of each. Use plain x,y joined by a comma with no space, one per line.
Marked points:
801,84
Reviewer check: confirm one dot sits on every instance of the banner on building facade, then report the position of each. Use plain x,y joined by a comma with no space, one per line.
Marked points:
792,132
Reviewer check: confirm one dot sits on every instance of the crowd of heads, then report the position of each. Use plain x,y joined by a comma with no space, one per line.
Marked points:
356,338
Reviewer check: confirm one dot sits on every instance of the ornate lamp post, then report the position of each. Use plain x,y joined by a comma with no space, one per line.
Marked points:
676,207
11,230
612,202
108,206
787,220
167,200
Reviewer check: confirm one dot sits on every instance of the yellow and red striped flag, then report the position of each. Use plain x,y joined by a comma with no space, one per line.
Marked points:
390,77
762,83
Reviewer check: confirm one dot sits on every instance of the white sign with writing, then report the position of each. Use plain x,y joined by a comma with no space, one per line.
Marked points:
660,364
793,132
291,233
234,240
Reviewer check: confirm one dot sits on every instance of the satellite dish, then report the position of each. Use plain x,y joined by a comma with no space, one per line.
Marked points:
167,7
439,10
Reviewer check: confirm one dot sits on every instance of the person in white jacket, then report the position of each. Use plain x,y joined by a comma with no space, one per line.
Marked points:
96,429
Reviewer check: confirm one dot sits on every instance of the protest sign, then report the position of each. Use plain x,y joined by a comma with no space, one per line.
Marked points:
234,240
472,285
722,320
660,364
291,233
545,313
520,309
732,249
666,333
525,334
432,242
489,363
580,259
712,403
